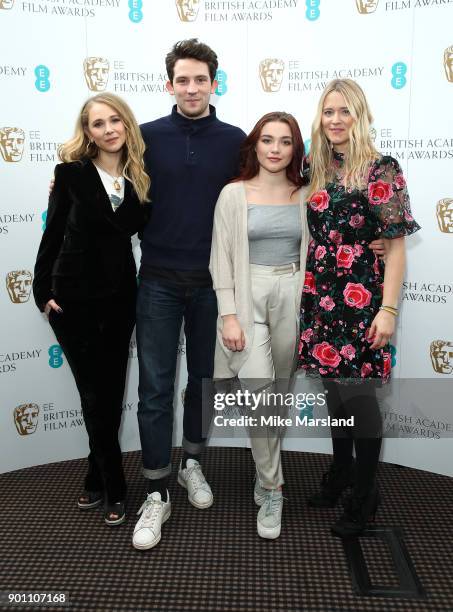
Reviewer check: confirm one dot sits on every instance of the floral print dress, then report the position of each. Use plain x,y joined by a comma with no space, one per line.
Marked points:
344,279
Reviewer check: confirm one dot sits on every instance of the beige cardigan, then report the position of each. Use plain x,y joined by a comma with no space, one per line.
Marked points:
230,271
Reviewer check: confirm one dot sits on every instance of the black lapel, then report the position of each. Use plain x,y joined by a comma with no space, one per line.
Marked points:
94,186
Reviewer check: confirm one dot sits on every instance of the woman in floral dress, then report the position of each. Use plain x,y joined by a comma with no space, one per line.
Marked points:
350,299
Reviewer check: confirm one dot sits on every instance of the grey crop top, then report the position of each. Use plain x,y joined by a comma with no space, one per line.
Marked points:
275,233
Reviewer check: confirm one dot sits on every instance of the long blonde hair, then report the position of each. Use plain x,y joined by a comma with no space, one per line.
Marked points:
80,146
361,151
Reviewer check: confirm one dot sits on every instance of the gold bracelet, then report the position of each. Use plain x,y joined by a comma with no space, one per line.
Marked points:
394,308
390,309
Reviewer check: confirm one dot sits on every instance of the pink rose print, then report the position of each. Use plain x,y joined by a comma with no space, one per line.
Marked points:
399,181
366,370
357,221
408,216
387,359
376,266
379,192
356,296
327,303
348,352
307,335
326,354
309,283
335,236
345,256
320,252
319,201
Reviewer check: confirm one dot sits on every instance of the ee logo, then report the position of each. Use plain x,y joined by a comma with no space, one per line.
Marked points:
399,75
42,82
221,78
312,13
135,10
307,145
55,356
44,220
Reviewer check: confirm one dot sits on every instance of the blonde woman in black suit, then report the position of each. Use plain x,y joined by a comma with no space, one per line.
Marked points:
85,278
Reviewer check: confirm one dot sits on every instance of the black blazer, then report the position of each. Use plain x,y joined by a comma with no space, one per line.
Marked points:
86,250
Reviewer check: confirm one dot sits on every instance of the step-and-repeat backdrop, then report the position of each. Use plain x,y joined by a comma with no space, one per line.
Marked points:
274,55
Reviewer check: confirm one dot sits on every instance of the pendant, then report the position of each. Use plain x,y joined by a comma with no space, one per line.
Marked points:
116,185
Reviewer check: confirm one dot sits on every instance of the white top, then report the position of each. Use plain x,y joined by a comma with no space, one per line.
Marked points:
116,197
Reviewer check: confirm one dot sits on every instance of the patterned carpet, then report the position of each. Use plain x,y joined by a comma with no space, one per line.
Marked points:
212,560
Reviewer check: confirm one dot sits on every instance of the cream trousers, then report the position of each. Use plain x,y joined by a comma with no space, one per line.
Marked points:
271,359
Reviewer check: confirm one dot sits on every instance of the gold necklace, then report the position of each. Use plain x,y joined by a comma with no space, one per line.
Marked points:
116,179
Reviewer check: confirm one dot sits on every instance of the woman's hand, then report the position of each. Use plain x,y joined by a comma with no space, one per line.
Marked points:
232,334
378,247
381,329
52,305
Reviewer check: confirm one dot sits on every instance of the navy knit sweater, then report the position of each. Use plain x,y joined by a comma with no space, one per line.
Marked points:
189,162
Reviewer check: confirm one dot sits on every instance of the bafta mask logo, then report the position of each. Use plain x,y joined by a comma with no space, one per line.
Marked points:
187,9
373,134
444,213
96,71
26,418
442,356
448,63
6,4
366,6
271,74
18,285
12,141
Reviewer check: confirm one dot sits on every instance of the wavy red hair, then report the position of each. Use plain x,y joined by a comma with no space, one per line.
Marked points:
249,166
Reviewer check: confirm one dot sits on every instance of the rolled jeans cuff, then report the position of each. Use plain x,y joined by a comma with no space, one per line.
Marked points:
159,473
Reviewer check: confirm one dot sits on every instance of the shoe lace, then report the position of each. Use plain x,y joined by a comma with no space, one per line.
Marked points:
196,477
272,503
150,509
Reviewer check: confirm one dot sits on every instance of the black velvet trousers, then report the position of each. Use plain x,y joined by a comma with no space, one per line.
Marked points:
95,339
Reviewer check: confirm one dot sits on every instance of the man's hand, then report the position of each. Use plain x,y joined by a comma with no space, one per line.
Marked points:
232,334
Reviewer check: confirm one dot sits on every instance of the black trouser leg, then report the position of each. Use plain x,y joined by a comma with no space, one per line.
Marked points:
360,402
95,339
342,439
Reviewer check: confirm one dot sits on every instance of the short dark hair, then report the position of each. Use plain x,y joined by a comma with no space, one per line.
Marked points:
191,49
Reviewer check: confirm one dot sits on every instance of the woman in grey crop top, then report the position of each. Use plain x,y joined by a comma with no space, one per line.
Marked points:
257,264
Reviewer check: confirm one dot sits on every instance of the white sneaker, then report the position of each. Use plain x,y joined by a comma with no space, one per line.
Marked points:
198,490
269,519
259,492
153,512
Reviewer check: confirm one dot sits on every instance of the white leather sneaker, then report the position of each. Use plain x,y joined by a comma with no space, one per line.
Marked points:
259,492
154,512
269,519
198,490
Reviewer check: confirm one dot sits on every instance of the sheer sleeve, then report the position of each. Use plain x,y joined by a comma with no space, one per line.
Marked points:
389,199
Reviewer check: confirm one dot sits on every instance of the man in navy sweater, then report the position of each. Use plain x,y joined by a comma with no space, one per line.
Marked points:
190,156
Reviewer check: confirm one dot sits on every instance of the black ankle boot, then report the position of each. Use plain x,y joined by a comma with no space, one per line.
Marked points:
333,483
359,510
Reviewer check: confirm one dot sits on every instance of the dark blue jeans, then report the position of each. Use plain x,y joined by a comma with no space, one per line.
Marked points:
161,308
